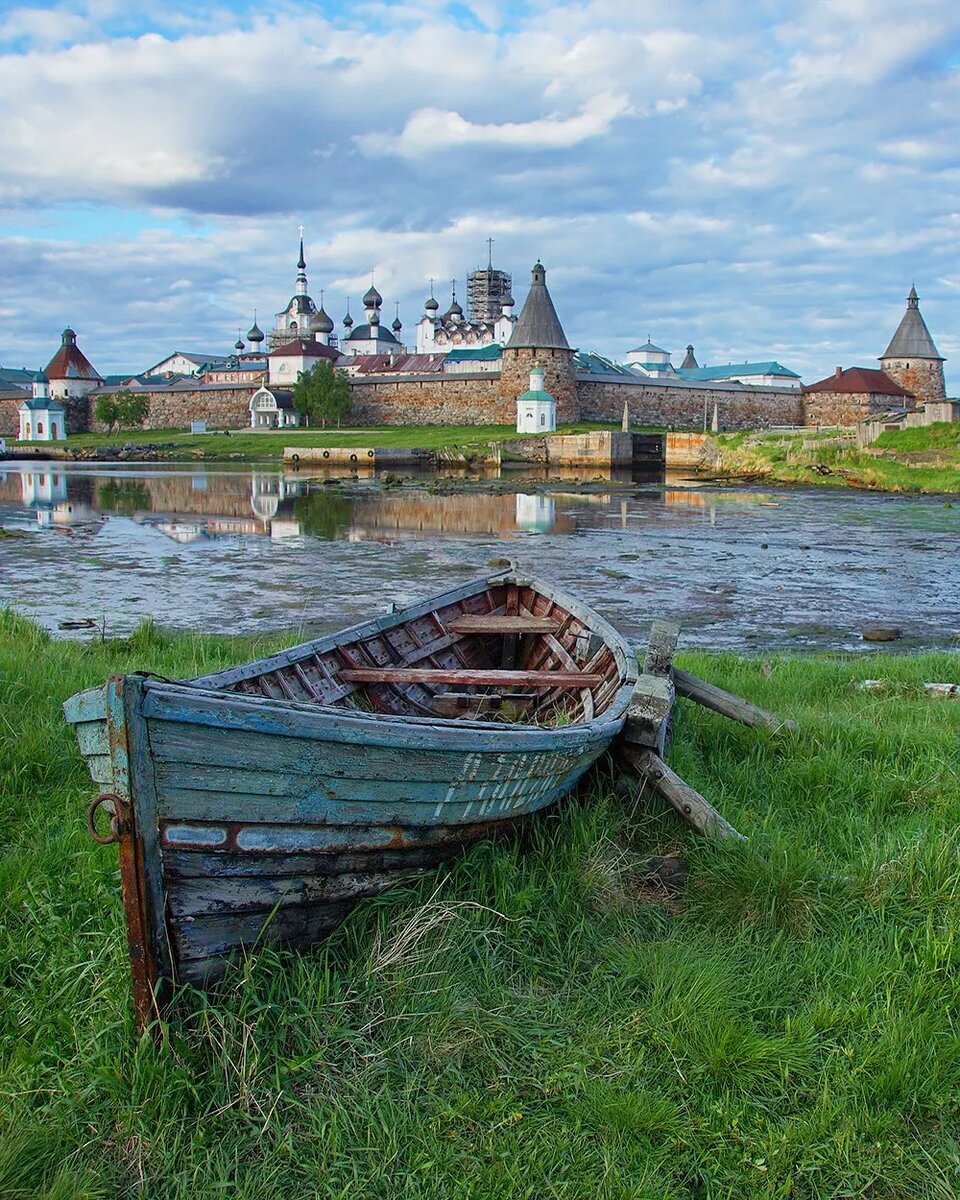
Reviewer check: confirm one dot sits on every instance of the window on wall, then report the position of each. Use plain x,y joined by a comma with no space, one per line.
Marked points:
543,418
39,428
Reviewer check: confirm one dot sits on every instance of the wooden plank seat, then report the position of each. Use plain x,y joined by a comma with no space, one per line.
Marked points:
492,678
502,623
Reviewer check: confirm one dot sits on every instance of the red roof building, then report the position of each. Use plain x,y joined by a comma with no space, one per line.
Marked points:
853,395
70,371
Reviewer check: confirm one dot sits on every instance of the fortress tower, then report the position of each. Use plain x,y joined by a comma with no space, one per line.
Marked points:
912,360
538,339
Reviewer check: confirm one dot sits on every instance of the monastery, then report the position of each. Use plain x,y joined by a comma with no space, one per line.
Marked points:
476,367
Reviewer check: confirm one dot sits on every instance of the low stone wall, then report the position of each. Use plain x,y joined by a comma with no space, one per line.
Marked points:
682,408
599,449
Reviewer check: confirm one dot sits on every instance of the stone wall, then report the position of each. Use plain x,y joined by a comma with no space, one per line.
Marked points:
683,408
479,398
428,400
221,408
10,416
921,376
847,408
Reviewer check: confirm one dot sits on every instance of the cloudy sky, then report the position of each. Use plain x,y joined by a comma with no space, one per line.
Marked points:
762,179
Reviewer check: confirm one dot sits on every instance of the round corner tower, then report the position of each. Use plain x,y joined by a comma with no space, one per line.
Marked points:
538,339
912,359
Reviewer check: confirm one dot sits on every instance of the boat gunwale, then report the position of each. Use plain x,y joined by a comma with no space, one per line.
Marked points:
326,722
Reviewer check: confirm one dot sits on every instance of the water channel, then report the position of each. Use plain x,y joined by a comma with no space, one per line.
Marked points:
227,549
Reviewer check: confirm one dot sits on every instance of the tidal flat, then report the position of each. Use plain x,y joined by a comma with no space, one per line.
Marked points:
536,1020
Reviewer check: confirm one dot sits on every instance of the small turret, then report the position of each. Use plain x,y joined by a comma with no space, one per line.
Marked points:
41,386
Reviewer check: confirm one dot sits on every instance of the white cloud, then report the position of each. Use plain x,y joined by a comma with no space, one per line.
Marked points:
708,173
432,131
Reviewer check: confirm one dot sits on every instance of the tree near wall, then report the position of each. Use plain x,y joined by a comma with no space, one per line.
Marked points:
322,394
121,410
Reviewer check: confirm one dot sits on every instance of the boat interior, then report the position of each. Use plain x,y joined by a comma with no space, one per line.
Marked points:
506,652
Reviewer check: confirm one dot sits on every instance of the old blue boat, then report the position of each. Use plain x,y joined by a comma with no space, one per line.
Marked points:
261,803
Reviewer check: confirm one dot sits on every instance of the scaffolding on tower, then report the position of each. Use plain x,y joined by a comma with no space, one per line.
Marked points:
486,291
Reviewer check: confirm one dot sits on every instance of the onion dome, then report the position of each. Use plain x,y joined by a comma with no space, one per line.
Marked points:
255,334
41,377
372,298
322,322
508,301
348,320
454,310
238,344
431,305
374,318
397,324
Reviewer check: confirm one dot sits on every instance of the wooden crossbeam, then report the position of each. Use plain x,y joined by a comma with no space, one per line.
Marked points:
726,703
502,623
557,679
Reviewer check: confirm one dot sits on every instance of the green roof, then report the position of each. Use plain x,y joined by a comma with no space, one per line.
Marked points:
537,395
735,370
475,353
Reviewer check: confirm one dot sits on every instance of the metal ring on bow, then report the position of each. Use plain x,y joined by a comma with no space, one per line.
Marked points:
111,804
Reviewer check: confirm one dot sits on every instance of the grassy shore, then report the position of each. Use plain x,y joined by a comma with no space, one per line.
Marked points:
534,1022
248,446
925,460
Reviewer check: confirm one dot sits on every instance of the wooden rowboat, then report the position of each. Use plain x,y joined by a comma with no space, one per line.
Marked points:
261,803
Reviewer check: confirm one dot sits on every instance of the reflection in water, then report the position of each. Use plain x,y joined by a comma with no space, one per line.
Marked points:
249,550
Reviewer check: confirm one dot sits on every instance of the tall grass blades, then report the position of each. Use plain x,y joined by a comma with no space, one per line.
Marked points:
534,1020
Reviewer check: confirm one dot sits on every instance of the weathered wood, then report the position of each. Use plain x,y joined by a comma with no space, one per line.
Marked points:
502,623
943,691
694,808
664,636
564,679
726,703
649,713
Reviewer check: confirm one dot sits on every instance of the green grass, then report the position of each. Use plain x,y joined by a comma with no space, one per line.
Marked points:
532,1023
944,435
263,447
896,466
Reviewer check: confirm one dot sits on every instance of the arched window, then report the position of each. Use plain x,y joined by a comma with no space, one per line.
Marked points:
543,418
39,429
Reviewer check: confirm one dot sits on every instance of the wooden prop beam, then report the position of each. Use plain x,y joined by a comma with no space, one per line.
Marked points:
725,703
694,808
540,679
649,711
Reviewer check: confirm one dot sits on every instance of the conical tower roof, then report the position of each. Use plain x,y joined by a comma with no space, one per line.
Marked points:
538,323
912,339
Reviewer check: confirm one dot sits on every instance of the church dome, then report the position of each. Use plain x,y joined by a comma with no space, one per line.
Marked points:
454,310
255,334
40,377
397,325
431,305
348,322
372,298
238,345
322,322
